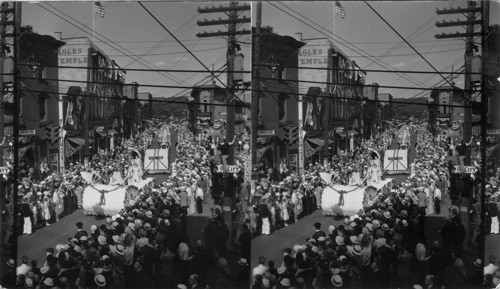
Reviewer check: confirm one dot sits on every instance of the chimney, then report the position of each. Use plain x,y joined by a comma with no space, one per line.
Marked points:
298,35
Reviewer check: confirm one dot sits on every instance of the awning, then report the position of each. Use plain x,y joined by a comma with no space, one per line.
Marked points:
318,141
111,132
78,141
261,151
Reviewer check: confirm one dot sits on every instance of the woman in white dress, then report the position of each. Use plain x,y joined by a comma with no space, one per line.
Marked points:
284,211
57,203
191,200
429,194
46,210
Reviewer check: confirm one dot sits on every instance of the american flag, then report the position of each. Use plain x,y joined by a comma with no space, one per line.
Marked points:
98,9
339,9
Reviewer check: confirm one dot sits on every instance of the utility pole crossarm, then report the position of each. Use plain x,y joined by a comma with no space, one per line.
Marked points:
457,35
458,10
223,33
445,23
223,21
221,8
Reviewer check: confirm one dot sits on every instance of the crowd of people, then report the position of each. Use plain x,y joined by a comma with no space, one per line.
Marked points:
384,245
281,200
147,244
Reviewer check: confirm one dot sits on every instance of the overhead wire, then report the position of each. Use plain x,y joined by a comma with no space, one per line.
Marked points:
345,43
261,78
242,105
110,43
409,44
191,53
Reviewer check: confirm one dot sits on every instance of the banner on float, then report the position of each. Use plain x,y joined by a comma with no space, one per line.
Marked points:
156,161
396,162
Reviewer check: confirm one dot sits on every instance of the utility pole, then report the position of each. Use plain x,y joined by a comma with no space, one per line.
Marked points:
471,21
484,114
16,112
232,47
326,123
255,83
232,23
470,47
3,53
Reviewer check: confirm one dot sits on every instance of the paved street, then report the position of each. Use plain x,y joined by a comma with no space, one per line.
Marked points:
272,246
492,243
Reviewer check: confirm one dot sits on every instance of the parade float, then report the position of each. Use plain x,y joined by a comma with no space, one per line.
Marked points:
345,200
109,199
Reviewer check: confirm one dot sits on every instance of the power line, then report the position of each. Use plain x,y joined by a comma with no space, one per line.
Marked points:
171,53
192,54
176,31
373,70
145,70
134,99
347,44
175,86
351,84
171,77
393,29
236,105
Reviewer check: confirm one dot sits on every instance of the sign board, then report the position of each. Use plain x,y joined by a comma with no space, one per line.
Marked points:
468,169
495,131
268,132
75,53
27,132
339,129
396,161
230,169
4,170
156,160
313,54
99,129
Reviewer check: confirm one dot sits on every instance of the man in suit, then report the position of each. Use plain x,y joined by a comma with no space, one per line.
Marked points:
81,232
318,232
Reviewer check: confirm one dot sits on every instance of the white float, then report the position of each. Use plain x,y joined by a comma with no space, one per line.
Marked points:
353,198
111,201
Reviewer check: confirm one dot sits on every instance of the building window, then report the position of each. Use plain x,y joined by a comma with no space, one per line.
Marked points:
444,106
205,105
42,106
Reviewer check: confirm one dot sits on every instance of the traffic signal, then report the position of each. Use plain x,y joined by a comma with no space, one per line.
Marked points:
290,134
294,135
286,134
52,134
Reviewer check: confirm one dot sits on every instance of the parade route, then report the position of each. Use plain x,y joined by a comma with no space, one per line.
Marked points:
296,233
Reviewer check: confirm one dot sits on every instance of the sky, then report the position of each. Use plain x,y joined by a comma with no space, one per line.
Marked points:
127,24
362,32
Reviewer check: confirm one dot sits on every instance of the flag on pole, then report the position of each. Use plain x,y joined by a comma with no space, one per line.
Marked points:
339,10
98,9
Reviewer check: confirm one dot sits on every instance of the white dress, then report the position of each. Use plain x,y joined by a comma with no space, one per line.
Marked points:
191,201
